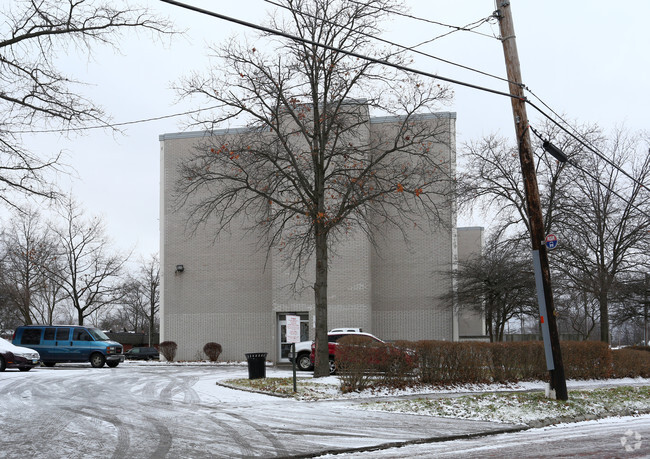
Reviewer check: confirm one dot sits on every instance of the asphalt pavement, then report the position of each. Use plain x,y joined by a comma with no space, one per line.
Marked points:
145,411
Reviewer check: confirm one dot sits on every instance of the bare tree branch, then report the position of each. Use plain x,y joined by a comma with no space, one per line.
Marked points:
307,171
35,94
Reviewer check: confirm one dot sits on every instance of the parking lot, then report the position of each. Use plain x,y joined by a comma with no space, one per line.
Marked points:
156,411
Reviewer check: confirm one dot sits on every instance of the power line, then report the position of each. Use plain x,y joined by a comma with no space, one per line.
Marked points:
466,28
336,49
114,125
431,21
585,144
413,48
390,64
596,179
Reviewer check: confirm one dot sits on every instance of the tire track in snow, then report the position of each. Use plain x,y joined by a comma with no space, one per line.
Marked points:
123,437
165,438
244,445
270,436
176,386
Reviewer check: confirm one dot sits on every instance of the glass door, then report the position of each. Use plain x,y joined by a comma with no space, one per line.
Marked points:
285,347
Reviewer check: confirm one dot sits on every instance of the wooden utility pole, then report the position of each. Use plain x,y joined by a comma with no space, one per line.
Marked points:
540,259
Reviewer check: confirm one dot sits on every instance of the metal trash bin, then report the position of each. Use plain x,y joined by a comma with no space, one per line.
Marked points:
256,365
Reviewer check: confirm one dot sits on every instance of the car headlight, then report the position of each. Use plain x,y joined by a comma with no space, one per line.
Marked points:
28,355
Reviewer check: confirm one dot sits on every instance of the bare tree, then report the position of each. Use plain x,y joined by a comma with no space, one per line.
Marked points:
138,308
599,212
91,273
150,281
577,309
631,303
35,93
306,171
29,252
605,221
496,284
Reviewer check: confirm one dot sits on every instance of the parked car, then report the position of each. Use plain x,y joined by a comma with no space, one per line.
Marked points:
303,348
332,339
70,343
17,357
142,353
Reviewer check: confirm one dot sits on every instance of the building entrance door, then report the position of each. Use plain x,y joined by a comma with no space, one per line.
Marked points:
284,347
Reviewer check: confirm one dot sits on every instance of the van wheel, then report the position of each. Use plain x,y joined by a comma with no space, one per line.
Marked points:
24,368
97,360
3,364
49,364
112,364
332,366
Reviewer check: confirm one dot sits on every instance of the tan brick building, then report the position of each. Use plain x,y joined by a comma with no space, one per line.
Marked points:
229,292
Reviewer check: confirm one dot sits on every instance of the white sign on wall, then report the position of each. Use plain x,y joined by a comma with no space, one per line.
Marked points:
293,329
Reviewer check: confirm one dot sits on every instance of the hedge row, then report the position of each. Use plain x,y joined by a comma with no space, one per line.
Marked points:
363,364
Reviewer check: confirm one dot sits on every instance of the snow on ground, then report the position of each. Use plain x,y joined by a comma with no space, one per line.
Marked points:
177,406
612,437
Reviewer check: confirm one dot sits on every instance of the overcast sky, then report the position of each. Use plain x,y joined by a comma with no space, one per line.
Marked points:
587,59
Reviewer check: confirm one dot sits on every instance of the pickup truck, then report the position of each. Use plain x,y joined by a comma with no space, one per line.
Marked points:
332,338
303,348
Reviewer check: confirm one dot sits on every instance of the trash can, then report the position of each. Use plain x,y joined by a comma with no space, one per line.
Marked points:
256,365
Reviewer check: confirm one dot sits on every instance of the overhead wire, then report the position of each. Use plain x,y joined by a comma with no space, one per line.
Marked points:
596,179
390,64
431,21
255,26
585,144
334,48
375,60
413,48
124,123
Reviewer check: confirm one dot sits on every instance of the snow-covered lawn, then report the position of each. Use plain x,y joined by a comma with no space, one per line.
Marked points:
522,403
530,408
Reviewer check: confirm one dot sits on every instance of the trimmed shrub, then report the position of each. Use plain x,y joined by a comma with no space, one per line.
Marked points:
362,362
213,351
352,363
639,348
630,363
168,350
586,359
512,362
447,363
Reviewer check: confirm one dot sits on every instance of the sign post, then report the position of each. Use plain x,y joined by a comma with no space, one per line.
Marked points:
293,337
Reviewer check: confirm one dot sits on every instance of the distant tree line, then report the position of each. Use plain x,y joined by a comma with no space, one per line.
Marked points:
65,270
597,204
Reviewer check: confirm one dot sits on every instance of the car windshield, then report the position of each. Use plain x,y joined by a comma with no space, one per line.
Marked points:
98,334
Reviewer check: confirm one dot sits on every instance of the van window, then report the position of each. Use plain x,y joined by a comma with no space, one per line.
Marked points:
79,334
49,334
98,334
62,334
31,336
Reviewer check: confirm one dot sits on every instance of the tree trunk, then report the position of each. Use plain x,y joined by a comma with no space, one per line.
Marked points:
80,316
321,363
604,317
151,322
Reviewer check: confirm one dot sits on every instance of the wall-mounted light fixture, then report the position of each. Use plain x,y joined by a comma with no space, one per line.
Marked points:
180,268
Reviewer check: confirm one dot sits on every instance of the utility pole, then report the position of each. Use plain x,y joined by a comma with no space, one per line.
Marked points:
540,260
